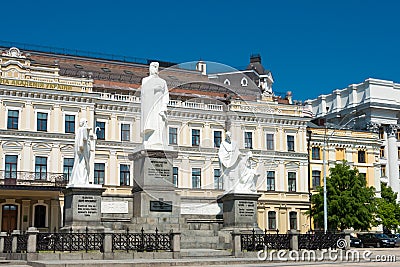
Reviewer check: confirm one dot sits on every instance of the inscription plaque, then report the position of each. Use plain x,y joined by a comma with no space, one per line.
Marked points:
159,168
114,207
87,206
161,206
246,208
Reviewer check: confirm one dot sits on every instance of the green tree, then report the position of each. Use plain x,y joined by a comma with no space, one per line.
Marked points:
350,202
388,212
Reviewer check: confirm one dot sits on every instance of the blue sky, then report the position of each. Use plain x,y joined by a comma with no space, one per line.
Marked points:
311,47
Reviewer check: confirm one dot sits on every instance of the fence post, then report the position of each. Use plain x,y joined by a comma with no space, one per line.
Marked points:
236,243
32,235
107,243
2,235
294,239
347,238
14,243
176,245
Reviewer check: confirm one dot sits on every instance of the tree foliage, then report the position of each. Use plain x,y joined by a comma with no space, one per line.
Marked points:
388,212
351,204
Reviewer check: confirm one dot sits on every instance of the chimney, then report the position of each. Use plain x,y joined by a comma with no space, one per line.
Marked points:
201,66
255,58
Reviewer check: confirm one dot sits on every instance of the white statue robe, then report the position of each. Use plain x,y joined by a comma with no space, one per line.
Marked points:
80,171
154,101
229,158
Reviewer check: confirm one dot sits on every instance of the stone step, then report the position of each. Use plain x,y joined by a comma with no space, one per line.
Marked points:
198,233
13,263
204,253
200,239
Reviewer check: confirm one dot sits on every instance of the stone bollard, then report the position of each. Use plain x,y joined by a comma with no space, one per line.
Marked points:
236,244
294,239
176,245
107,244
2,235
32,236
15,235
347,238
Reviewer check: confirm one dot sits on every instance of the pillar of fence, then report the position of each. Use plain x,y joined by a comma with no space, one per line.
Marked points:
294,239
107,243
32,235
347,238
176,245
14,243
236,243
2,236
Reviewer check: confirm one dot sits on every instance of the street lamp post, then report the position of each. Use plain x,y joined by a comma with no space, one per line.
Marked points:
324,163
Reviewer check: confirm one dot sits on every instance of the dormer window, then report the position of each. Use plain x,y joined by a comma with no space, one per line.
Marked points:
106,69
227,82
244,82
78,66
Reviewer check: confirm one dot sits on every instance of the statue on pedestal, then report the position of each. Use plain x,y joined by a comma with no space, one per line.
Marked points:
80,170
238,173
154,101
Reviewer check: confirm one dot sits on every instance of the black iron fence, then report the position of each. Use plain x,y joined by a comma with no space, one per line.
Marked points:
32,178
319,240
8,243
258,241
142,241
22,242
70,241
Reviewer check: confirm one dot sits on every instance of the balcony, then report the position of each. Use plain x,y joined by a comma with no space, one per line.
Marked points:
24,178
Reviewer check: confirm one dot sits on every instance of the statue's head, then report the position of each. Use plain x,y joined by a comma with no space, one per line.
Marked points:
153,69
228,136
83,122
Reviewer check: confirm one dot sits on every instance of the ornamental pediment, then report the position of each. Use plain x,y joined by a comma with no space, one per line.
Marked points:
41,147
11,145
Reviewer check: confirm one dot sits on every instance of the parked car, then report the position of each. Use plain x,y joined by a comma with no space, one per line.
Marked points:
356,242
377,240
396,237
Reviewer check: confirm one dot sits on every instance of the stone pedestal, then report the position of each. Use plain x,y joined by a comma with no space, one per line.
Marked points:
82,208
153,191
240,210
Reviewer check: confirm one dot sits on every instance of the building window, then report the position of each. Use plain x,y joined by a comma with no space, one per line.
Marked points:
196,178
291,181
270,181
270,141
398,135
173,136
248,140
125,132
40,216
398,152
383,170
99,173
315,153
217,138
101,130
40,168
70,123
12,120
339,154
271,220
175,176
361,156
195,137
42,122
381,133
290,143
382,152
316,179
218,181
293,220
67,170
11,167
124,174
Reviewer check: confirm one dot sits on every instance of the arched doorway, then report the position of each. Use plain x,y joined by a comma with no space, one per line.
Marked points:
9,218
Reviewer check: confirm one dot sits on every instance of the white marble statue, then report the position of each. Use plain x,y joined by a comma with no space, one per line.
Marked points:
238,173
80,171
154,101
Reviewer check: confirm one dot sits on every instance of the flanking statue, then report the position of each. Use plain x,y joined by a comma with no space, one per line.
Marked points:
238,173
81,168
154,101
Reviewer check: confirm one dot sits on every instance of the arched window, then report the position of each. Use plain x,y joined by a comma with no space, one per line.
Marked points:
244,82
40,216
227,82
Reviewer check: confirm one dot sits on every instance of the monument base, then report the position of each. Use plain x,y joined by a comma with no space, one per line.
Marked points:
153,191
82,208
240,211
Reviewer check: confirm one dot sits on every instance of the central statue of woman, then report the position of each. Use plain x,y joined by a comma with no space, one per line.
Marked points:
154,101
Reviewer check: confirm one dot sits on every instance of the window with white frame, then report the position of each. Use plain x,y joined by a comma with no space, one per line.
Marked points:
248,139
69,123
196,178
124,174
125,132
41,121
270,141
12,119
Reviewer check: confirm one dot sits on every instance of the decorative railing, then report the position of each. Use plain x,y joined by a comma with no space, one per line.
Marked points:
22,242
32,178
319,240
120,97
253,241
7,243
70,241
142,241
